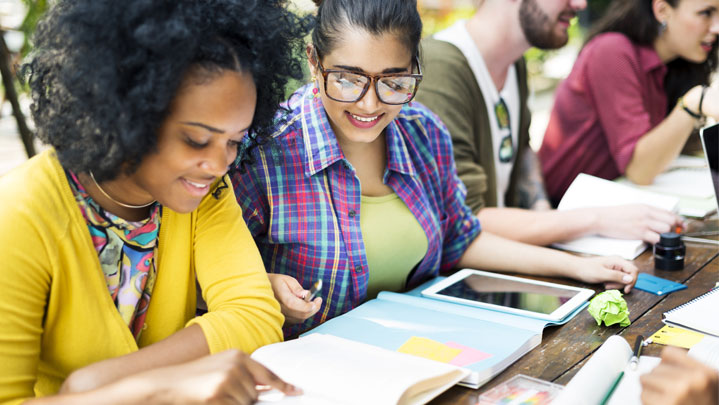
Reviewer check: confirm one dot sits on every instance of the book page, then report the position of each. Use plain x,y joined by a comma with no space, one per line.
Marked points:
688,178
594,380
589,191
699,314
333,370
707,351
629,390
599,245
683,182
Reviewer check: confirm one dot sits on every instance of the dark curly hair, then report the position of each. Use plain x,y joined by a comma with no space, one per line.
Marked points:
104,72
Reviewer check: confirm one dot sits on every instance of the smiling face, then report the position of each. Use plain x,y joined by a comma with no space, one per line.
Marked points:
692,29
359,51
197,141
545,22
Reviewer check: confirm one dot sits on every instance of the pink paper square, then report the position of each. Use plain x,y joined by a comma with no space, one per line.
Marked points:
468,355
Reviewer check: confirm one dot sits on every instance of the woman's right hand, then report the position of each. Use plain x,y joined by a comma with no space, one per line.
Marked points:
637,221
613,271
229,377
291,296
710,103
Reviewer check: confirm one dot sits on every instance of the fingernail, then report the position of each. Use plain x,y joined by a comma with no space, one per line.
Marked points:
627,278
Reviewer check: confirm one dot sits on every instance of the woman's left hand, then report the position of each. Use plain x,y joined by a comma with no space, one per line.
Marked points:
613,271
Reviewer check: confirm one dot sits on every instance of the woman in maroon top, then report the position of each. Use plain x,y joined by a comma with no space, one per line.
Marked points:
637,91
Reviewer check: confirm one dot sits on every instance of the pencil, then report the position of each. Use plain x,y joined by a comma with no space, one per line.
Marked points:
611,390
700,240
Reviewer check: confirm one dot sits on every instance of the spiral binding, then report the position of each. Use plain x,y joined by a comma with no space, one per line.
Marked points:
699,298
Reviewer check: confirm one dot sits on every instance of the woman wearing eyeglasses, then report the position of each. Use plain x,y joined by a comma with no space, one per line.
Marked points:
359,188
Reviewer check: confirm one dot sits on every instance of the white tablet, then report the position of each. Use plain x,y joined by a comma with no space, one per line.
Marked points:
499,292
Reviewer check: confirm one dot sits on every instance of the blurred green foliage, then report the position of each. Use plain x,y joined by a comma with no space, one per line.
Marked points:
434,20
35,11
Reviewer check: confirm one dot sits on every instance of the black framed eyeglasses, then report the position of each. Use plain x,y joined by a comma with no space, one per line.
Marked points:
506,147
348,86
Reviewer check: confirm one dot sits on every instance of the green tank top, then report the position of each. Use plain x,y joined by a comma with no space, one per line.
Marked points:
394,242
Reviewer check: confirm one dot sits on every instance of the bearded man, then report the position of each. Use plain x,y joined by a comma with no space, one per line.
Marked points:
475,80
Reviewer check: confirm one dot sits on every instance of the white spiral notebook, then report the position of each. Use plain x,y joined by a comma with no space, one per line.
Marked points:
700,314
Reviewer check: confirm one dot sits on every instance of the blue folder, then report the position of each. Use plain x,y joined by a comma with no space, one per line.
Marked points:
391,319
656,285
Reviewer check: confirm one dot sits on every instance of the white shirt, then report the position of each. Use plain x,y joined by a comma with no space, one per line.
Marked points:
458,36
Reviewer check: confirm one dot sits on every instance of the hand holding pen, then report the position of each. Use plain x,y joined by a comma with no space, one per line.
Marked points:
314,290
295,302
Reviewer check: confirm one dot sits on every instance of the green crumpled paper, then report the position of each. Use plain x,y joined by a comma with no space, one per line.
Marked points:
610,307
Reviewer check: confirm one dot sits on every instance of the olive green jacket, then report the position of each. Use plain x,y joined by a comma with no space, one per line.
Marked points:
451,91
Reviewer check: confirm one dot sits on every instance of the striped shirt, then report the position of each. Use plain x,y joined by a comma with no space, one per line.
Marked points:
301,201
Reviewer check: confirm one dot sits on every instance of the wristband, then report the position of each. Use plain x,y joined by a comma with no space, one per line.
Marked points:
690,112
701,99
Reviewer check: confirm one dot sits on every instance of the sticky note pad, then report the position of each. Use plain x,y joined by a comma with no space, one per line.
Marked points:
656,285
671,336
468,355
429,349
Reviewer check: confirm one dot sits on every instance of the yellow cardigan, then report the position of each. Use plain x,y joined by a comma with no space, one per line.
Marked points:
56,314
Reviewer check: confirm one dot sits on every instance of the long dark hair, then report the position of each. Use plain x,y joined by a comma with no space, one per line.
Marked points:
399,17
635,19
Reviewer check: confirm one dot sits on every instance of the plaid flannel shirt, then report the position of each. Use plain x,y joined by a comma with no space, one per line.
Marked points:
301,201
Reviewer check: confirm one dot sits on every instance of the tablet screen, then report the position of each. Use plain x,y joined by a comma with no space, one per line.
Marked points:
509,293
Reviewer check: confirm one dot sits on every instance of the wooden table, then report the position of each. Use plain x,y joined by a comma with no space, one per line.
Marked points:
565,349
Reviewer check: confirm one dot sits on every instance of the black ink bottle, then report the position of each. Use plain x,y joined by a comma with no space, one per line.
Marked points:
669,252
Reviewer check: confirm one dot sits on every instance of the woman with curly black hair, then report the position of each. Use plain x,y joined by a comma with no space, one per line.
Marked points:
104,237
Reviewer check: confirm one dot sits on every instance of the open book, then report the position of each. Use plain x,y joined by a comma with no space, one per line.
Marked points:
589,191
594,381
484,341
689,179
332,370
699,314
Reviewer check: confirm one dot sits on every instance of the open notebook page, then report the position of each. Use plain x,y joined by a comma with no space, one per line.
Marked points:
629,390
699,314
589,191
595,379
332,370
707,351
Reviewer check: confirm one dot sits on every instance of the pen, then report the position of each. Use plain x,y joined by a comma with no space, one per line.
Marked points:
611,390
700,233
700,240
634,362
316,287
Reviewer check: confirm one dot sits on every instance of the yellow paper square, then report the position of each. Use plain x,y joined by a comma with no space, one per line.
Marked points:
672,336
429,349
